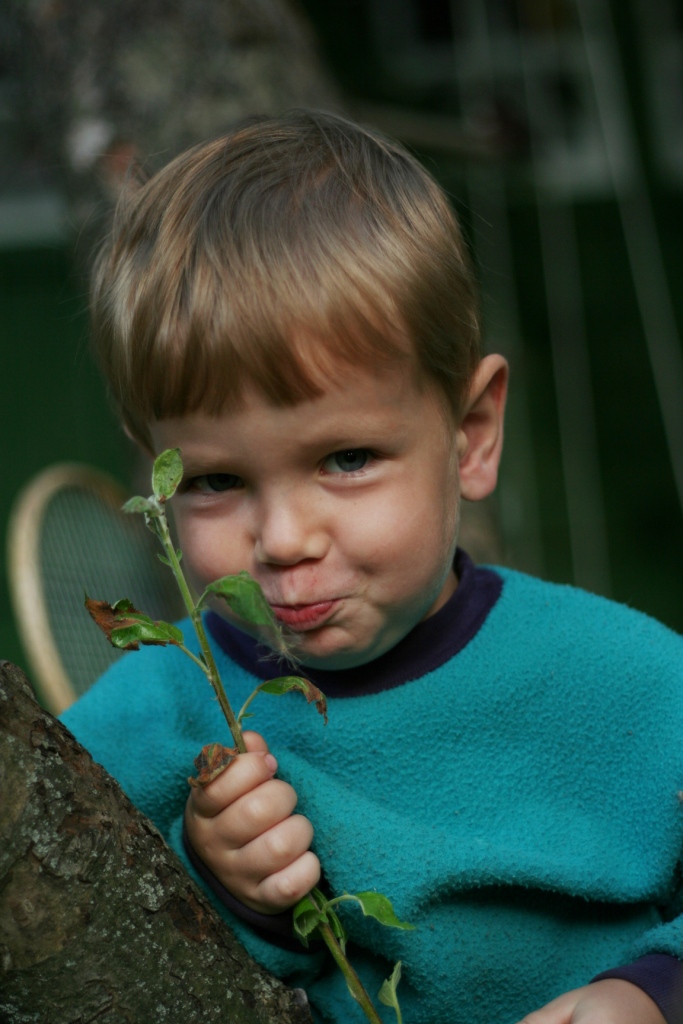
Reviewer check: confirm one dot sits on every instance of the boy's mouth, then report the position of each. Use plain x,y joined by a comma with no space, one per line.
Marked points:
303,616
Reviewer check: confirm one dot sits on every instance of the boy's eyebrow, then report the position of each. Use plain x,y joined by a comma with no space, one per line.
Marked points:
365,429
354,436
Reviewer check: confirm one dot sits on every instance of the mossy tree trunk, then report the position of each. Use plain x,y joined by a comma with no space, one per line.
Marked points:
98,918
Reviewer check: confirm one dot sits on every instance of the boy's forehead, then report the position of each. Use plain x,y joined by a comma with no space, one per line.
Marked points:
351,399
343,388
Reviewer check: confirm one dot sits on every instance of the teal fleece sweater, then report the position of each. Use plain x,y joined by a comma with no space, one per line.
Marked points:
520,804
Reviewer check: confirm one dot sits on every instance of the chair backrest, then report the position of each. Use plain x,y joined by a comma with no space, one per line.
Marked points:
67,537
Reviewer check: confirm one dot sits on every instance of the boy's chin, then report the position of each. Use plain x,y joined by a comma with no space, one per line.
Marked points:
329,649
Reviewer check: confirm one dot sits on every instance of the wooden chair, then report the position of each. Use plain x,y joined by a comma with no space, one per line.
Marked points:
67,536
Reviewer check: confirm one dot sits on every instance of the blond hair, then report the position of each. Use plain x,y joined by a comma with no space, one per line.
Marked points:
267,255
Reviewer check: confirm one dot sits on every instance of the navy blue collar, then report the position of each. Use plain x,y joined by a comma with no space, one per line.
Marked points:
430,644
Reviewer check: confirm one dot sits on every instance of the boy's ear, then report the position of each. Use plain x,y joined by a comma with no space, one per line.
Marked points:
480,434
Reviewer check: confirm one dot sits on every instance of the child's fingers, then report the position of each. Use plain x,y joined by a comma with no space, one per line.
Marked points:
273,850
252,814
242,871
245,773
285,888
243,828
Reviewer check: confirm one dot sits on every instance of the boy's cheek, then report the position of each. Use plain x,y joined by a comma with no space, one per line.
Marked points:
196,546
200,569
207,558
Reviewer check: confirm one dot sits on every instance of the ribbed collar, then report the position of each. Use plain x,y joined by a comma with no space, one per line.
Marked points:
430,644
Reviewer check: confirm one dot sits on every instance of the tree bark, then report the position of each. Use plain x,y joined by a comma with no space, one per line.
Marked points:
98,918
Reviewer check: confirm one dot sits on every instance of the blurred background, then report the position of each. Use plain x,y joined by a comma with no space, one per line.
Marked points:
555,125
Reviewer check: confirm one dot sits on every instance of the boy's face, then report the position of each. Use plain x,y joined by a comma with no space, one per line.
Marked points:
344,508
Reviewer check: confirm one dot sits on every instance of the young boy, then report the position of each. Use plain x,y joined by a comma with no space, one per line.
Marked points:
292,306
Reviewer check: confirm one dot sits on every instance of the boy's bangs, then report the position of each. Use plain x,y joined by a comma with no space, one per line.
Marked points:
204,357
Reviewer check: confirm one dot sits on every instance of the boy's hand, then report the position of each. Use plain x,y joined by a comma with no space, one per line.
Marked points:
611,1001
242,827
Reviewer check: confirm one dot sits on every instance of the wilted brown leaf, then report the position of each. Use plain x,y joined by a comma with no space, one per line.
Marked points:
126,627
285,684
314,694
109,618
213,759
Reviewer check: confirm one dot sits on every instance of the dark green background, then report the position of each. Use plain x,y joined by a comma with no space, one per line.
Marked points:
53,404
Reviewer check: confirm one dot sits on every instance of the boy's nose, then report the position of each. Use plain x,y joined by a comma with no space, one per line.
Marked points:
288,535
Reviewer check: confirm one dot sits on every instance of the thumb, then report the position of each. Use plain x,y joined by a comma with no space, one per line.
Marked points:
255,743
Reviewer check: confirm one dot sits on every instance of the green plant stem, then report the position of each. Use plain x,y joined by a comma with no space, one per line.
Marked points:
355,985
195,659
246,704
341,899
209,666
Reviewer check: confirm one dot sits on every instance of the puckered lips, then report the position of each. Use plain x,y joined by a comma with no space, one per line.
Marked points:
304,616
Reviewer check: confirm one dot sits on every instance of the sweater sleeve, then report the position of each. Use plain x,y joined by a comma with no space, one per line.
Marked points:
660,976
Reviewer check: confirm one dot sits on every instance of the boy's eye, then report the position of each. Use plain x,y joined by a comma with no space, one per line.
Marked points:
347,461
212,483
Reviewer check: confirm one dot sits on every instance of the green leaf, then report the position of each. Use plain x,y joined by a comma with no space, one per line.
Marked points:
143,631
138,504
286,683
374,904
167,474
387,993
306,918
245,599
